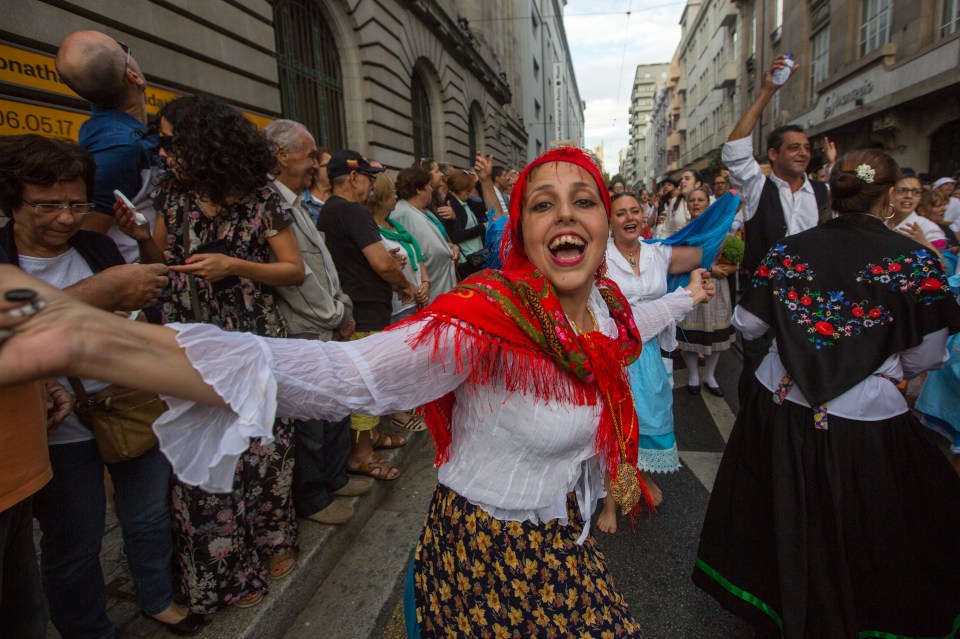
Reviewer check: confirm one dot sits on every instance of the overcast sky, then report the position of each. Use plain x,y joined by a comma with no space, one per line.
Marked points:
596,32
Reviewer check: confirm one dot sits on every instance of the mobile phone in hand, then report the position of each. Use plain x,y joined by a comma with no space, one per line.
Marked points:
137,215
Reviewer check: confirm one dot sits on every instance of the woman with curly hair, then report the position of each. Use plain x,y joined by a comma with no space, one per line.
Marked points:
227,240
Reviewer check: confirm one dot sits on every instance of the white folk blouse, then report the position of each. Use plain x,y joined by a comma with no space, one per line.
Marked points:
511,454
651,284
875,397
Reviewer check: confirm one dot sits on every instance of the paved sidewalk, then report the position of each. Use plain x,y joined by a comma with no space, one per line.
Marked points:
321,549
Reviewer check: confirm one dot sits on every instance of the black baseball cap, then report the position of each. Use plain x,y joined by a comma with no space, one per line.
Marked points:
347,160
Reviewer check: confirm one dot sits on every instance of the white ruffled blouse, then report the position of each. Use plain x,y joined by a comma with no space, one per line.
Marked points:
651,284
511,454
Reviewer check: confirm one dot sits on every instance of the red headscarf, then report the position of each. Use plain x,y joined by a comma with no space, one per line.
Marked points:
512,254
510,325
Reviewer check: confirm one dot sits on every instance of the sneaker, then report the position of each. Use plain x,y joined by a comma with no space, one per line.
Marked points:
334,514
354,487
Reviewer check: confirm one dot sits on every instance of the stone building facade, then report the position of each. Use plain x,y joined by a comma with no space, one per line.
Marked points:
394,79
882,73
695,110
709,58
636,161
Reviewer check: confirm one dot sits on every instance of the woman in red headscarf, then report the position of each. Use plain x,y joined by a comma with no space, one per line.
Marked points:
527,400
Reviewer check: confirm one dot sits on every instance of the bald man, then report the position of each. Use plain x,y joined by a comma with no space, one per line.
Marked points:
104,72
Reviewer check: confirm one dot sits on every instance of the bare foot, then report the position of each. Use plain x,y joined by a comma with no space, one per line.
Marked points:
607,521
655,493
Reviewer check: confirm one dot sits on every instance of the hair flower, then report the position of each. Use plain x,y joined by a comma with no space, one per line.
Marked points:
866,173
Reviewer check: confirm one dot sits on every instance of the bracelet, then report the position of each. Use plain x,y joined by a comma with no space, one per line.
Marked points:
427,282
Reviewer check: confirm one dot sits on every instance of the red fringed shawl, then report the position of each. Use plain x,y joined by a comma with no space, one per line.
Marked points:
510,325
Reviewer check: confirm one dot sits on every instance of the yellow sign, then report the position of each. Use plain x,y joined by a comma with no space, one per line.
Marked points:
28,68
156,98
18,118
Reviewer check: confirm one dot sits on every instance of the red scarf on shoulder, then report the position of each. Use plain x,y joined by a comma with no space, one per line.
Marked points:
510,326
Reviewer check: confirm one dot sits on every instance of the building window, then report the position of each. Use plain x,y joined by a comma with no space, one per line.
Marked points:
311,85
420,116
819,59
875,25
951,17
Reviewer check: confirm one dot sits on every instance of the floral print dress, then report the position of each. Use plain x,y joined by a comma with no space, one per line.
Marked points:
222,539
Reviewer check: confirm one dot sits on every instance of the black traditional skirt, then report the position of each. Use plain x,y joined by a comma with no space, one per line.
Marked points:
476,576
847,533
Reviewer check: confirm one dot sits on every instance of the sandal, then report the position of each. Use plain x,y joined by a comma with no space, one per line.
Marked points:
279,566
384,441
249,600
376,467
414,423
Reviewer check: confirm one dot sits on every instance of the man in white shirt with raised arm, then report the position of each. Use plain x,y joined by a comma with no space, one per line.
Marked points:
774,207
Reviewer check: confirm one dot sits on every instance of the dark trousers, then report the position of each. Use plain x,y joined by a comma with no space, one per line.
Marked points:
754,350
321,450
23,610
71,510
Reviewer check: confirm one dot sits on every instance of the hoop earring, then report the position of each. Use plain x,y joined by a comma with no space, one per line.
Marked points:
893,212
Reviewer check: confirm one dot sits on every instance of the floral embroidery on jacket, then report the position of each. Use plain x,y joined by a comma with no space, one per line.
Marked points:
778,266
919,273
826,315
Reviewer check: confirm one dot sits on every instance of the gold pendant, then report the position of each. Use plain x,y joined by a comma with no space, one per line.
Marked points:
626,488
632,260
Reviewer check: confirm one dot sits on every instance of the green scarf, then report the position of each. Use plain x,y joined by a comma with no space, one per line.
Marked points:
402,237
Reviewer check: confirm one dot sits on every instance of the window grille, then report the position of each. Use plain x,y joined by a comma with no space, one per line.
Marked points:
311,83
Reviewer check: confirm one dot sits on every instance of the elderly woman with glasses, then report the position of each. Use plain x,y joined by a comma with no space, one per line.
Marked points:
45,186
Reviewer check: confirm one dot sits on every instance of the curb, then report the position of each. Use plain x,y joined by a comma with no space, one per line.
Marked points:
321,547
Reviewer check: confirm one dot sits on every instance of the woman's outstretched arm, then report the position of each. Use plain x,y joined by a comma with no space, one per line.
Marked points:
66,337
301,379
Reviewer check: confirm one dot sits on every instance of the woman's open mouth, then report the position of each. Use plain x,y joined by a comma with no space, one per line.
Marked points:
567,249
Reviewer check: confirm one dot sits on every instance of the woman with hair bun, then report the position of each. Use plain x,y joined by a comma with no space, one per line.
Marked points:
832,515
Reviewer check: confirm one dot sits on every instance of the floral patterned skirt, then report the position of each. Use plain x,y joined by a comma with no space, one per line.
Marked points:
222,539
477,576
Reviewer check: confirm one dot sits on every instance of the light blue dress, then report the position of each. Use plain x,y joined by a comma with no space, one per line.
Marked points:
939,401
649,378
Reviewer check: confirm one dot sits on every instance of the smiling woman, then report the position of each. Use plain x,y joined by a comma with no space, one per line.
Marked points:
528,404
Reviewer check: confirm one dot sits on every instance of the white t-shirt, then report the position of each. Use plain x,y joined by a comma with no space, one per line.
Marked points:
931,231
952,214
62,272
412,276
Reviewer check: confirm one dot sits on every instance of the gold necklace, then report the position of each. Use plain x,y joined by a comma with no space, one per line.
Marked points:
625,489
592,319
629,256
